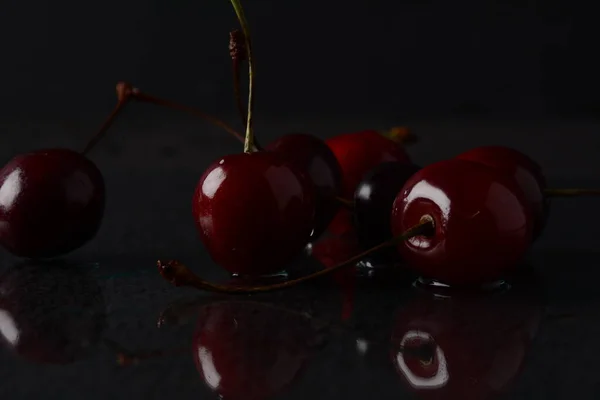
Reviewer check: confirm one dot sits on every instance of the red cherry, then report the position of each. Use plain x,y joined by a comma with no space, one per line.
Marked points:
250,351
481,218
310,154
373,202
464,348
50,312
254,212
526,172
51,203
360,152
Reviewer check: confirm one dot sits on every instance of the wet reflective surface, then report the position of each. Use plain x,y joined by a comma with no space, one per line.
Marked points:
104,324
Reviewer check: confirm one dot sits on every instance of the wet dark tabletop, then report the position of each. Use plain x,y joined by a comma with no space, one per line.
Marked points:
343,338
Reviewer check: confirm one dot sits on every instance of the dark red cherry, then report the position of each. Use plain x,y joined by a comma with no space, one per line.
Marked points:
526,172
481,217
254,212
50,312
310,154
51,203
360,152
250,351
469,348
373,201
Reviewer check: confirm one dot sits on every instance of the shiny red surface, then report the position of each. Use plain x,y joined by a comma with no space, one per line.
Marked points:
360,152
249,351
526,172
51,203
254,212
482,222
469,348
311,155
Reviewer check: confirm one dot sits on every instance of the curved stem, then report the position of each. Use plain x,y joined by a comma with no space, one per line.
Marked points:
180,275
249,140
571,192
147,98
124,93
345,202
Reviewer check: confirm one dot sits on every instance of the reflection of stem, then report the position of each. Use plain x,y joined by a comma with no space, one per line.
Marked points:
126,357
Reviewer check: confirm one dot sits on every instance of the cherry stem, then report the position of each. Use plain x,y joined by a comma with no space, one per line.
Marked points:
138,95
400,134
249,140
345,202
180,275
571,192
124,94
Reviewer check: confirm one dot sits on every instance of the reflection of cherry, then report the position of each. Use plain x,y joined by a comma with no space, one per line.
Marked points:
464,348
50,312
250,351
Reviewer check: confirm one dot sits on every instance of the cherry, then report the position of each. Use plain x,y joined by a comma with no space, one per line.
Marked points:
528,175
358,153
482,222
526,172
254,212
50,312
304,152
468,347
310,154
52,200
248,350
51,203
373,200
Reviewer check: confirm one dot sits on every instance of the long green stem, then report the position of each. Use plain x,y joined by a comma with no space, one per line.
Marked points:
249,140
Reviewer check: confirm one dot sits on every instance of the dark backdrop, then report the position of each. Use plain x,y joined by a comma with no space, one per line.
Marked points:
334,57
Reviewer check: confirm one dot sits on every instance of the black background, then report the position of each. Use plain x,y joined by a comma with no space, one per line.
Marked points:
460,74
400,58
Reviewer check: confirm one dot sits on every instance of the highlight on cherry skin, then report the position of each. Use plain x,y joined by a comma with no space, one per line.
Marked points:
440,345
483,224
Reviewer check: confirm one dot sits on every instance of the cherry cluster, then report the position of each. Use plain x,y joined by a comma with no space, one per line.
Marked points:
463,221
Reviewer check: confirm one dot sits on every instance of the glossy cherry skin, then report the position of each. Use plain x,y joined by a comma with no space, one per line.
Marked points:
50,312
358,153
468,348
311,155
250,351
254,212
51,203
482,222
526,172
374,198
